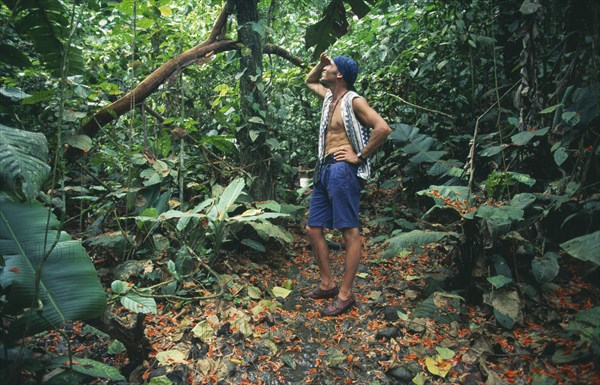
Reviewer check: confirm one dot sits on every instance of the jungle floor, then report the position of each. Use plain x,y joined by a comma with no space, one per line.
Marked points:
261,331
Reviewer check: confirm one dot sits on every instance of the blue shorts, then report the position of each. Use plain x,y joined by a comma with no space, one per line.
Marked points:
335,199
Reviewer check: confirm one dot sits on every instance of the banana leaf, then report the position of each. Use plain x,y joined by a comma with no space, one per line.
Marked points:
23,161
69,288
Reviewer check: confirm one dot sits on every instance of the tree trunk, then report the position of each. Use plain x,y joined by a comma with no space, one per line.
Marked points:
254,150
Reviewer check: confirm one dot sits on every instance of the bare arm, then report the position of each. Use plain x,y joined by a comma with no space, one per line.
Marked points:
312,80
368,117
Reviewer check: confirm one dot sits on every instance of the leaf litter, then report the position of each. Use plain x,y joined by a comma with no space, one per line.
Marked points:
404,329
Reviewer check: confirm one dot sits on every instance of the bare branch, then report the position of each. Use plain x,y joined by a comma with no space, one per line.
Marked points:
282,52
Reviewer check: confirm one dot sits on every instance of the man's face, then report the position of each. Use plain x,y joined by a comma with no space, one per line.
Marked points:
330,73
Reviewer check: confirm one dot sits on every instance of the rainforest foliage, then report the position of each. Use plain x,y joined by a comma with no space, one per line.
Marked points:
146,147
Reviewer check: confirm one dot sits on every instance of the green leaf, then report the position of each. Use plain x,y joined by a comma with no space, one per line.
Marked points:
359,7
90,367
254,244
138,304
82,142
445,353
170,357
267,230
256,119
46,25
413,239
499,281
542,379
229,196
522,178
551,109
507,212
13,56
289,361
160,380
522,138
585,247
269,205
441,64
244,326
560,156
491,151
119,287
254,292
165,11
546,268
203,330
523,200
528,7
326,31
13,93
281,292
23,161
69,288
335,357
116,347
571,117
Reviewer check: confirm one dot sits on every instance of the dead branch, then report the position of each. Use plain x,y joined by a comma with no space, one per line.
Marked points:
279,51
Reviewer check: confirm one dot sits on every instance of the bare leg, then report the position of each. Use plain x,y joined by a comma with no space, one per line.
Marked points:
321,254
353,254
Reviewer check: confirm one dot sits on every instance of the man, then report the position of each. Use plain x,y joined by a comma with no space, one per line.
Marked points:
344,150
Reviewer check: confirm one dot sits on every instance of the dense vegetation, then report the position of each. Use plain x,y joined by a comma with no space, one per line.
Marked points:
144,145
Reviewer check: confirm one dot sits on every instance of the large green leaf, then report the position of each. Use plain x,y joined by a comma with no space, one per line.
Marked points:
229,196
69,288
334,24
88,367
585,247
268,230
326,31
413,239
13,56
415,143
23,161
46,23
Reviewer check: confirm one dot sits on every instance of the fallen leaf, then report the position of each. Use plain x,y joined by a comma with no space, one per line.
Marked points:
254,292
335,357
170,357
282,292
203,330
445,353
374,295
438,366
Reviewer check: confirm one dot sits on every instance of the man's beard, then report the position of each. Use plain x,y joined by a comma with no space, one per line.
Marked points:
324,83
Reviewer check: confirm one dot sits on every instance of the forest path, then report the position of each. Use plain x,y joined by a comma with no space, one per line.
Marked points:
405,328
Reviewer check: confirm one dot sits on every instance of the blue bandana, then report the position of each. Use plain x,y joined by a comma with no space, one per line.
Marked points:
348,68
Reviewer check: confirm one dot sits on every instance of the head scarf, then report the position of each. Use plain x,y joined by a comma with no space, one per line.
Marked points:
348,68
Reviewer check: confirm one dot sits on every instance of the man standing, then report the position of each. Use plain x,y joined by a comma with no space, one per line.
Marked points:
344,151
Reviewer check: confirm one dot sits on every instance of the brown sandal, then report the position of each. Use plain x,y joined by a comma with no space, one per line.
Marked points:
318,293
339,306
